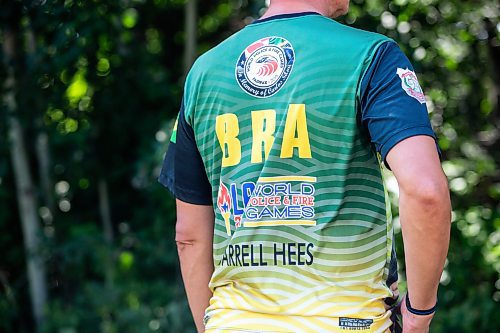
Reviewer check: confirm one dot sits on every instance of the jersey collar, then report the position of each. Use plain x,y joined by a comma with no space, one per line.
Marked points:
282,16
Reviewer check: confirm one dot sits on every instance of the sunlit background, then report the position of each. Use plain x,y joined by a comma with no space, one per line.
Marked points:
89,92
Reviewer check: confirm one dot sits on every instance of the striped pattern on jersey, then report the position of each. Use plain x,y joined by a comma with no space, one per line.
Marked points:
302,237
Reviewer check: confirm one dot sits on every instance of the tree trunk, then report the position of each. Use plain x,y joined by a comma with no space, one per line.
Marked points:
25,191
42,139
43,157
105,212
190,25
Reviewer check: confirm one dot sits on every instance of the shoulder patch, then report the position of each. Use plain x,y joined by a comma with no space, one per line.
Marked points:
264,66
410,85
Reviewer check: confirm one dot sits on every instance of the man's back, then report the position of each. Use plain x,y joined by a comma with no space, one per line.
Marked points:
302,239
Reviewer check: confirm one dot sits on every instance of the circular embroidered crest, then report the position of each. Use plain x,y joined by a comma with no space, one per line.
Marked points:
264,66
410,85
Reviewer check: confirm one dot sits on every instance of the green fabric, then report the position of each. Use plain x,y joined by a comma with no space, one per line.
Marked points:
349,230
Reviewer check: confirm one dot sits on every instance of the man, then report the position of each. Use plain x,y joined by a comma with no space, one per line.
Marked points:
282,219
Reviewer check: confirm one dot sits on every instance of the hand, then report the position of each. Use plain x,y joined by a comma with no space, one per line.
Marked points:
414,323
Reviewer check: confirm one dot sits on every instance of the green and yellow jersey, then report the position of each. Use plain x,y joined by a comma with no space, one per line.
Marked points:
282,129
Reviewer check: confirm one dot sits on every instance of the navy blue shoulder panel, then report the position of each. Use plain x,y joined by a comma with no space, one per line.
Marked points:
392,103
183,172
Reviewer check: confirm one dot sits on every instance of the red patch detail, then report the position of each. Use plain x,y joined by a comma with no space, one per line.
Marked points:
224,199
268,68
254,46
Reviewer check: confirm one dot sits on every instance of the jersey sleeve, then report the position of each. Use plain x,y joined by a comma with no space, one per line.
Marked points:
183,172
392,102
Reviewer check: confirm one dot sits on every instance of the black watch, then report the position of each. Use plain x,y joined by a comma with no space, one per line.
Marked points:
419,312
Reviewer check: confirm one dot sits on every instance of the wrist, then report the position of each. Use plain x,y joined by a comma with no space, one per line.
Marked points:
419,312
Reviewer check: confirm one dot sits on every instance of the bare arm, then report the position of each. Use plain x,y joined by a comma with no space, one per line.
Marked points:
425,212
194,237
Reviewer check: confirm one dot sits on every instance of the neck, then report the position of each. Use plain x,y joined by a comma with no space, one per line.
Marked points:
296,6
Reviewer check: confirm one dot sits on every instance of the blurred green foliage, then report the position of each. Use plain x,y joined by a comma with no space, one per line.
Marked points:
103,79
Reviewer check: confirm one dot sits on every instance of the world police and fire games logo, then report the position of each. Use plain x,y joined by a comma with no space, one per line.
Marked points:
265,65
410,85
271,201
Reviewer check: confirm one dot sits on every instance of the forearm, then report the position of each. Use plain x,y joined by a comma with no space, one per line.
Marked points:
197,268
426,233
194,232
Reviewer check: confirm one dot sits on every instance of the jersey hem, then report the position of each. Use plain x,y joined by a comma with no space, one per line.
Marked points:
255,322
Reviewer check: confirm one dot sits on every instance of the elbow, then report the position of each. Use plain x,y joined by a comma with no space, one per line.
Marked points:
184,235
188,233
194,226
431,194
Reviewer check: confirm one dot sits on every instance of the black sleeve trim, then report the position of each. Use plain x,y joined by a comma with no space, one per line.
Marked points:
183,172
190,177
